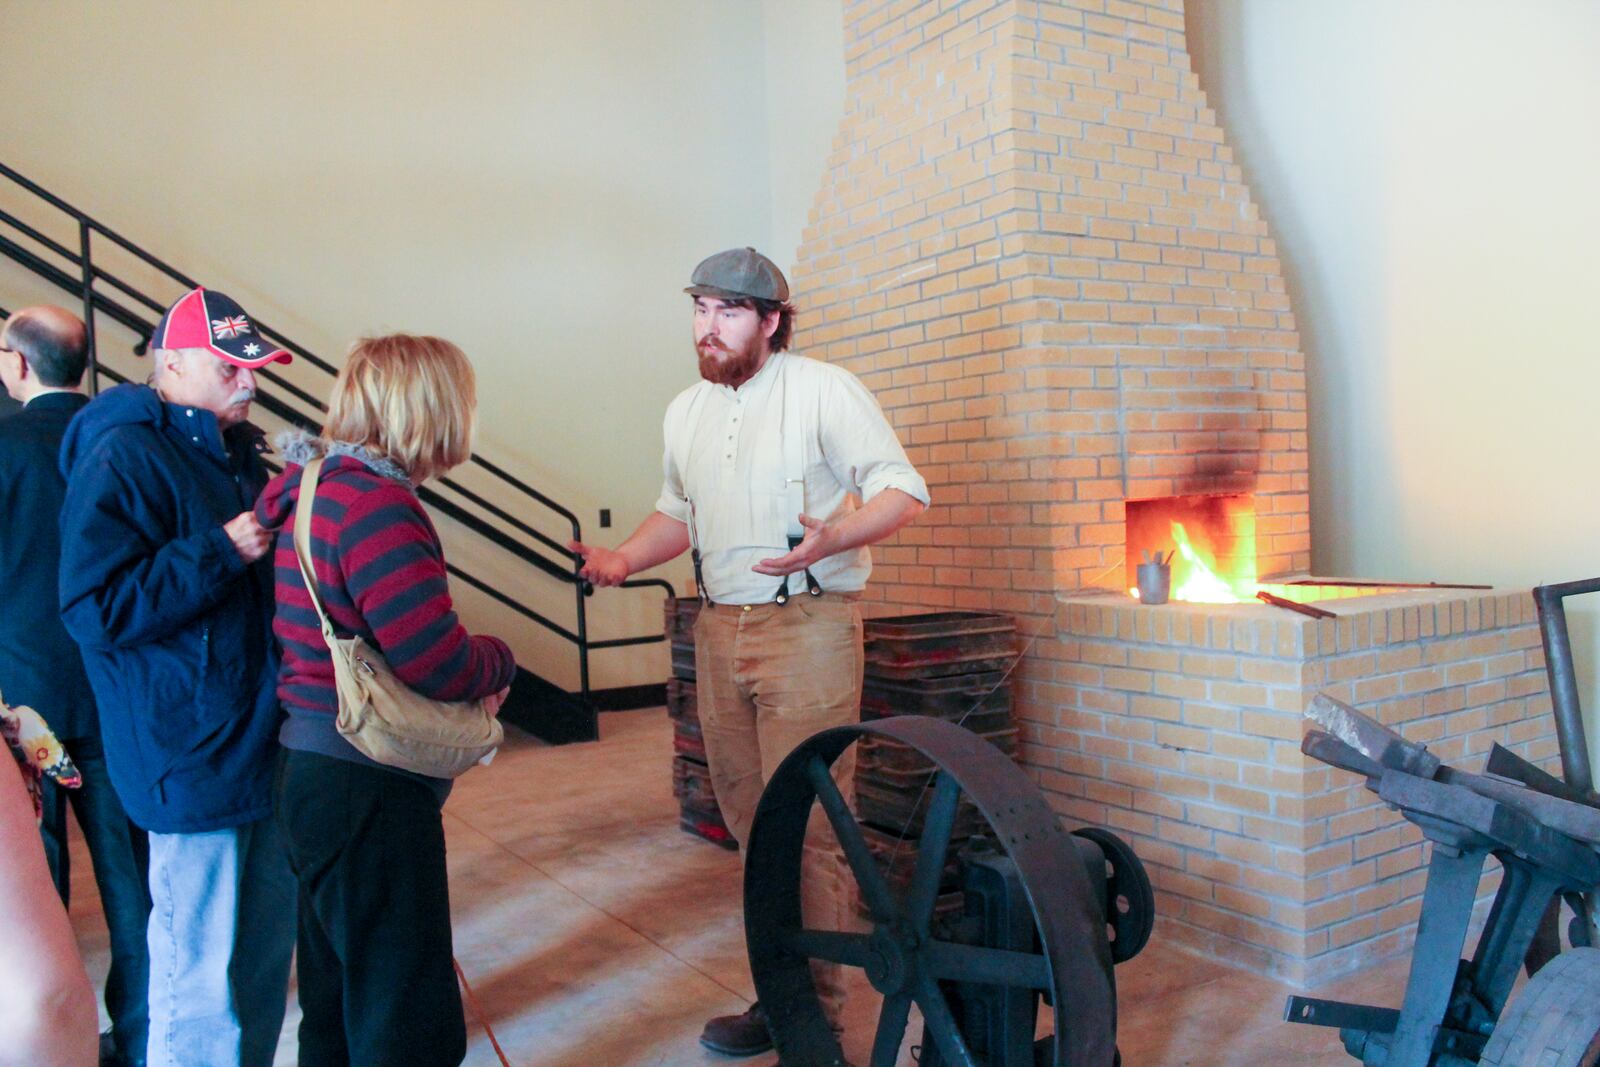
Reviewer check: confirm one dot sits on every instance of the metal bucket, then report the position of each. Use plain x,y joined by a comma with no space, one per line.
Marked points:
1155,583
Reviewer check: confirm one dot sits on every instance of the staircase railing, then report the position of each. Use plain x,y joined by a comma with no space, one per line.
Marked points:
101,292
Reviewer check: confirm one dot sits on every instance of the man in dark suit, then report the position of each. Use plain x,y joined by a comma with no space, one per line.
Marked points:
43,352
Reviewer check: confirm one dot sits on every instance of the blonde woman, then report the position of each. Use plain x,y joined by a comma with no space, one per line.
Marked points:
365,840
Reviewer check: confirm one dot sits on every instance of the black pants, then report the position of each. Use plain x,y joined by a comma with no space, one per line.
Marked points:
374,953
119,852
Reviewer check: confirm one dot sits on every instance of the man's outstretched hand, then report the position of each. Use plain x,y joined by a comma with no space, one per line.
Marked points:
603,566
820,542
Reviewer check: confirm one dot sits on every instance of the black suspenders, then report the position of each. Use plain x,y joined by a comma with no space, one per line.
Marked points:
813,586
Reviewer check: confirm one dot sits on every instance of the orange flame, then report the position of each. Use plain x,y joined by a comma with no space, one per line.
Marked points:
1218,565
1201,584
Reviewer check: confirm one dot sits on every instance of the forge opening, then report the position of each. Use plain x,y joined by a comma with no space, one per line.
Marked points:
1211,539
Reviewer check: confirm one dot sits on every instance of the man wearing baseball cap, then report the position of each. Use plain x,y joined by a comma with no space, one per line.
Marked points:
765,461
167,587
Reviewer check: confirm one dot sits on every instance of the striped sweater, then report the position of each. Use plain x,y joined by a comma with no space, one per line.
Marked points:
380,570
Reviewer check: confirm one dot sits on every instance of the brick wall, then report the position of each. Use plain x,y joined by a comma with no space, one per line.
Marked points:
1033,245
1179,727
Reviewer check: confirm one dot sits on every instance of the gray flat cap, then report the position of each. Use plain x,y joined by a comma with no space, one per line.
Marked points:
736,274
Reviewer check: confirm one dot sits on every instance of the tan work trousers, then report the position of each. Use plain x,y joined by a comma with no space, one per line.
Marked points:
767,677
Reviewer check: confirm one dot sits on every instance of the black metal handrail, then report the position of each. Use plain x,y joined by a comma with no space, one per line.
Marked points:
82,280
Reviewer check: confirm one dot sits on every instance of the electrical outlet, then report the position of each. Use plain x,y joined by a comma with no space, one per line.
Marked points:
605,518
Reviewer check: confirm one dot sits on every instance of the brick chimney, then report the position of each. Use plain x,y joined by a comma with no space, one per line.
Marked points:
1033,245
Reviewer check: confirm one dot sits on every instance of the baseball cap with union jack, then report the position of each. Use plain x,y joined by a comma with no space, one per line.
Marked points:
203,318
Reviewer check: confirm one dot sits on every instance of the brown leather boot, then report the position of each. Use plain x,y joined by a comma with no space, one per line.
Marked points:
738,1035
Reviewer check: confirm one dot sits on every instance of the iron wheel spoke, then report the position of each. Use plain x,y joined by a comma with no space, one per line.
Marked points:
992,966
931,852
942,1024
830,945
874,890
891,1030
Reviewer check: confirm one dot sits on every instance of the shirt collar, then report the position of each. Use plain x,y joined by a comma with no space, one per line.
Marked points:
199,425
61,399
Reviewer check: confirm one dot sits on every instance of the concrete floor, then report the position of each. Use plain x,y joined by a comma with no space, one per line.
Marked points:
595,933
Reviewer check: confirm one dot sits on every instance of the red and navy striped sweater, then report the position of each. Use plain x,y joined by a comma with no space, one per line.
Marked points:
381,573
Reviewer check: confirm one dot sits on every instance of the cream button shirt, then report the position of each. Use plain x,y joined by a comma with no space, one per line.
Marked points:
725,471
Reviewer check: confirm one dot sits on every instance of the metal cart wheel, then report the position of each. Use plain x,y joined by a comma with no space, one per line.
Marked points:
1555,1020
1130,902
902,957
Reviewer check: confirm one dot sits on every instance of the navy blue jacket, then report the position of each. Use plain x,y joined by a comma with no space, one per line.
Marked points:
39,664
175,627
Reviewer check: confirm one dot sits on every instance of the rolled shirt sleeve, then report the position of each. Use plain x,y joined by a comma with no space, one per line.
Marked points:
673,501
861,446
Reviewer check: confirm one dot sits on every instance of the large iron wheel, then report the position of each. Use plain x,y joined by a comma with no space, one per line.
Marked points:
1555,1020
902,957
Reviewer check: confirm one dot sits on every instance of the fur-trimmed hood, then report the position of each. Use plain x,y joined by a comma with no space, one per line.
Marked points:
275,507
299,447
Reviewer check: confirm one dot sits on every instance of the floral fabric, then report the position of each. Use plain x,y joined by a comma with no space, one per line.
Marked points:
37,750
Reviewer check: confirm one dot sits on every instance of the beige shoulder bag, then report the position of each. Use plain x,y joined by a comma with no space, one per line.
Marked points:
379,714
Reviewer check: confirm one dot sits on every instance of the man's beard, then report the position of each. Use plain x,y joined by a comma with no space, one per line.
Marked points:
721,365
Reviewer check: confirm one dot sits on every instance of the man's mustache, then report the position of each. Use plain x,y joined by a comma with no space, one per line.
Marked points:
243,396
711,344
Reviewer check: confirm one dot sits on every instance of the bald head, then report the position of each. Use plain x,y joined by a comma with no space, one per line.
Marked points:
52,344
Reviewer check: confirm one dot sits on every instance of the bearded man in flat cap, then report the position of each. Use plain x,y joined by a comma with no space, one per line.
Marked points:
780,471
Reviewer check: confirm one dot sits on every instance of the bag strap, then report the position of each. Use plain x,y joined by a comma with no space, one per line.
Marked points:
302,543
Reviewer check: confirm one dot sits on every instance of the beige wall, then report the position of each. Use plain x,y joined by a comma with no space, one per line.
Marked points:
1428,167
532,180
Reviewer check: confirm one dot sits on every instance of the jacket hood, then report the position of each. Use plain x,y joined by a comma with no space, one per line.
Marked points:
128,405
121,405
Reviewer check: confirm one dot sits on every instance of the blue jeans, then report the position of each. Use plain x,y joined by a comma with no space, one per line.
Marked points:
117,853
222,926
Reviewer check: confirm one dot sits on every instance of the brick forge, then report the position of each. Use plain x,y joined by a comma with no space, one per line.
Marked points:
1033,245
1179,727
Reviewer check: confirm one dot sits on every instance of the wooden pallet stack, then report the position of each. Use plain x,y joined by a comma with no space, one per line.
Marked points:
698,813
951,665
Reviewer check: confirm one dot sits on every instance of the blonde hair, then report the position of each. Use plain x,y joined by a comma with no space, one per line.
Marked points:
410,399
